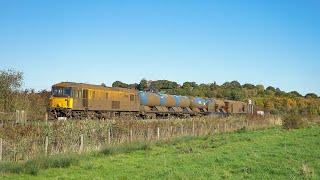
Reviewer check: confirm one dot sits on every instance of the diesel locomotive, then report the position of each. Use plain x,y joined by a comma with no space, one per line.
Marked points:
87,101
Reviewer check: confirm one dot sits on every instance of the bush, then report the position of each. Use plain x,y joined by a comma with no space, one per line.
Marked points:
292,121
9,167
274,111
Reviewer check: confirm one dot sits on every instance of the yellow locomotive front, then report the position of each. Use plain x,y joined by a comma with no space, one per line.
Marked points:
61,101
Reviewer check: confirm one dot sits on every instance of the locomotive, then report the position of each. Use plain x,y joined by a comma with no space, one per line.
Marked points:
87,101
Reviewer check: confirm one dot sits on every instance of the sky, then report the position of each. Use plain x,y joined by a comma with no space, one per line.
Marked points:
269,42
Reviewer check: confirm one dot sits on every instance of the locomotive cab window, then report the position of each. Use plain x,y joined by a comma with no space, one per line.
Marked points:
61,91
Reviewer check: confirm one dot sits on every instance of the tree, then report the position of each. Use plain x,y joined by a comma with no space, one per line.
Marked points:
311,95
248,86
10,82
165,84
213,86
269,105
293,94
120,84
235,84
143,85
270,88
189,84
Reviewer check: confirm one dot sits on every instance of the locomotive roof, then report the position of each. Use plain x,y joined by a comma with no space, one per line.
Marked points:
91,86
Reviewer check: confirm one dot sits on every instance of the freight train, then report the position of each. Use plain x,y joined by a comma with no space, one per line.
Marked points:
86,101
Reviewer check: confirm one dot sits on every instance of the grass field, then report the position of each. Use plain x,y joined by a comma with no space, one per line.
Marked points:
262,154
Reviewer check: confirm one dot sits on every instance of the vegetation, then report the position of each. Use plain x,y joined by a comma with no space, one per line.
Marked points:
33,166
22,142
293,121
13,98
271,153
269,99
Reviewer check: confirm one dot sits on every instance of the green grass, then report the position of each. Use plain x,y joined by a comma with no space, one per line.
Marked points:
263,154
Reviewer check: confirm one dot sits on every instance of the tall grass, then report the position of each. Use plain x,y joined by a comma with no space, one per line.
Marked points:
33,166
23,142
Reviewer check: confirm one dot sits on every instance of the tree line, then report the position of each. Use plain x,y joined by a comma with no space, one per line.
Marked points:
274,100
269,99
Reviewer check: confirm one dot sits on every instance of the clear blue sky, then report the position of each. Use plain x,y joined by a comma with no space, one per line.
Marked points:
267,42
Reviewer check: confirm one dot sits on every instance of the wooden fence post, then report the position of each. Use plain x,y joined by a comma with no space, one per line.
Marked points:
192,127
158,133
81,143
181,128
0,149
46,116
46,146
131,135
109,136
17,116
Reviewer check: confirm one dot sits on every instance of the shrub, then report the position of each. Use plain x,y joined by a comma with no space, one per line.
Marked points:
292,121
15,168
274,111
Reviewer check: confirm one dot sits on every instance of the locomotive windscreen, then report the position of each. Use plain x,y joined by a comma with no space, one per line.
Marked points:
61,91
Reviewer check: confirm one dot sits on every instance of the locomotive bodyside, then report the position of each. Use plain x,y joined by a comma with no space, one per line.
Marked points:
85,100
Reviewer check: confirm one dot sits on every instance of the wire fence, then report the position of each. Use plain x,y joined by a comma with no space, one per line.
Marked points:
20,142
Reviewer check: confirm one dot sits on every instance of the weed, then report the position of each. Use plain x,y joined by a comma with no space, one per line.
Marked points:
15,168
241,130
33,166
293,121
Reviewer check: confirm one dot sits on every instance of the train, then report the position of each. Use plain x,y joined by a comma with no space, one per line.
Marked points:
87,101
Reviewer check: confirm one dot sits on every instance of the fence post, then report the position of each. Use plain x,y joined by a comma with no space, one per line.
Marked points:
17,116
171,130
225,127
81,143
158,133
109,136
46,146
46,116
131,135
0,149
192,127
25,116
182,129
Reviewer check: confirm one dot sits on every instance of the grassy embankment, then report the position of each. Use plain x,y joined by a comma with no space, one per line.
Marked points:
262,154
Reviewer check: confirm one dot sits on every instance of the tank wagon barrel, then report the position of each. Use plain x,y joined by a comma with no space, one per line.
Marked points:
152,99
197,103
182,101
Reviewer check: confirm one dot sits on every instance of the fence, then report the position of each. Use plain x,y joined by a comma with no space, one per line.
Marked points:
20,117
23,142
